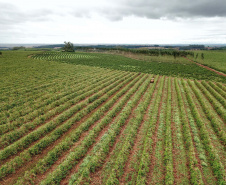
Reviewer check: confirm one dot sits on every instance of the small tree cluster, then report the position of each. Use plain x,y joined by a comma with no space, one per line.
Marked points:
0,53
68,46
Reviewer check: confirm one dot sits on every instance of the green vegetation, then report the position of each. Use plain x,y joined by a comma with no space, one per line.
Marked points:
170,68
62,123
214,59
68,47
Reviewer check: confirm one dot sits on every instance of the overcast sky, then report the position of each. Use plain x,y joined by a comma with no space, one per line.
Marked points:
113,21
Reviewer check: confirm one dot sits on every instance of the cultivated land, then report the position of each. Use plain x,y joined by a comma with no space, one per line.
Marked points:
214,59
77,118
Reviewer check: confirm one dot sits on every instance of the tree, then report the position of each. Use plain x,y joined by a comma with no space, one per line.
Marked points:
68,46
196,56
202,56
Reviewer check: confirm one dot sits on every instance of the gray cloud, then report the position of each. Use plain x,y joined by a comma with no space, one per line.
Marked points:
11,15
166,9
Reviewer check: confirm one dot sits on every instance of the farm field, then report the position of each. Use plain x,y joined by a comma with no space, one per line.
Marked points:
214,59
163,65
90,123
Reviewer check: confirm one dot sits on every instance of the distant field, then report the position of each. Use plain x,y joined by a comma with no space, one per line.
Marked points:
62,123
213,59
164,66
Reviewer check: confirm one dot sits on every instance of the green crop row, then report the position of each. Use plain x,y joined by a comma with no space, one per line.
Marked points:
100,151
214,94
18,161
38,103
45,100
52,156
54,106
78,153
15,135
133,167
200,151
41,131
213,158
24,143
196,177
220,85
117,168
218,89
214,121
27,88
168,157
180,152
32,94
56,56
144,165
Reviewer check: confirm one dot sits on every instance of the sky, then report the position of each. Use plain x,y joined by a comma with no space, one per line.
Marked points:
113,21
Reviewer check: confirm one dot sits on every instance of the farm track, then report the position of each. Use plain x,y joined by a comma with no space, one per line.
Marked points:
112,127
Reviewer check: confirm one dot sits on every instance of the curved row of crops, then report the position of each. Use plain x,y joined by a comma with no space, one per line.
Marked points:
62,56
102,126
154,65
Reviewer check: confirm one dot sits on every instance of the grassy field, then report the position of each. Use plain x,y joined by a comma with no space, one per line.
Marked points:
214,59
89,123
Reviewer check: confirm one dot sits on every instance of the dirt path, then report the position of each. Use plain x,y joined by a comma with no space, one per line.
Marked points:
208,68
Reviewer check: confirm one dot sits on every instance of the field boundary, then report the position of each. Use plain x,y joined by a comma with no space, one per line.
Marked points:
206,67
